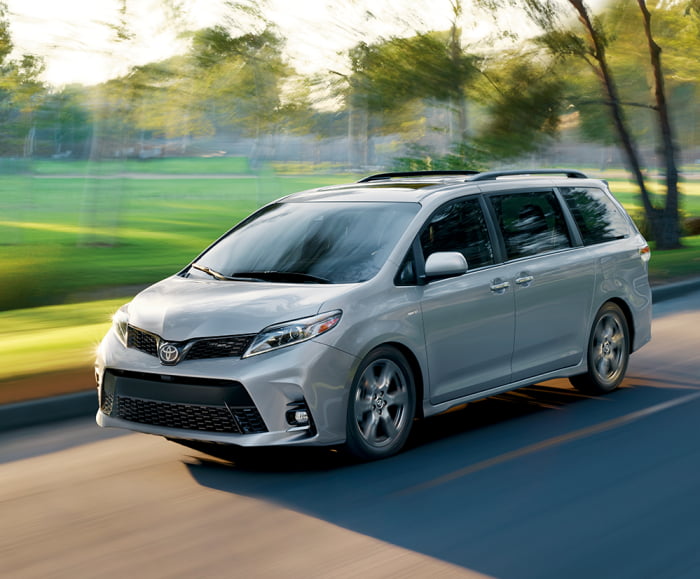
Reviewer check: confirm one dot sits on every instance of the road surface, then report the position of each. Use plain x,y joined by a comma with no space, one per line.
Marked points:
541,483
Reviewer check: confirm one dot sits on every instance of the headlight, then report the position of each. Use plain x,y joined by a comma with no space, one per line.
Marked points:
289,333
120,323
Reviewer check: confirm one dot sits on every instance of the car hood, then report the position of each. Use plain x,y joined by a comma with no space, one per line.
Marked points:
179,309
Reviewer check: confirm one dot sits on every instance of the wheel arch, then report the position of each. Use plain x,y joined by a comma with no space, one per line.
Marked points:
415,369
629,318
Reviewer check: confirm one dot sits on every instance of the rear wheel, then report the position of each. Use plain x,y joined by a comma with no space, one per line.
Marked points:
608,352
381,405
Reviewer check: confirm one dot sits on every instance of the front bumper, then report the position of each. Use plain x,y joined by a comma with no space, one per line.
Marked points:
247,402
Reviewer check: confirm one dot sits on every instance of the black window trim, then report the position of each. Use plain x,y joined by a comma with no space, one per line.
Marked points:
572,229
417,250
606,192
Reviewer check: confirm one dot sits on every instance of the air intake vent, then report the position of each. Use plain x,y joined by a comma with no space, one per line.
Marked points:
190,416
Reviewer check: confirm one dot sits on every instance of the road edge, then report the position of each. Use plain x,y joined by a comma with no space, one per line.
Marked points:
82,404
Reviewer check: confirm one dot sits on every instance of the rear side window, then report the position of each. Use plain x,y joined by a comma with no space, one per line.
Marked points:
597,216
531,223
459,226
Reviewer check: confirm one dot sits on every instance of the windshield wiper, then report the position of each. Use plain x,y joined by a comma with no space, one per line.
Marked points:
220,276
283,276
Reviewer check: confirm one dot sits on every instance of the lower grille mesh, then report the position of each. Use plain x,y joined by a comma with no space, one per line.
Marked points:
107,402
190,416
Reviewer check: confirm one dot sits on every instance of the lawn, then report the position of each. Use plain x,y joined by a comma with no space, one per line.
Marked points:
676,265
62,237
628,194
52,338
70,232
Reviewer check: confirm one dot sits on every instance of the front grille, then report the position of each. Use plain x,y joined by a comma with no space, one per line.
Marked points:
219,347
171,415
143,341
198,349
182,402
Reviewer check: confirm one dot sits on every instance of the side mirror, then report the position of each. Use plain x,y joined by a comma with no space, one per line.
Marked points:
445,264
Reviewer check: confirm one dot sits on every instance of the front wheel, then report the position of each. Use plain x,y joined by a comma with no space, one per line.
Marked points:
381,405
608,352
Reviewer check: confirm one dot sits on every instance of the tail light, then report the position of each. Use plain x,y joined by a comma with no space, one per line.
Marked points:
645,253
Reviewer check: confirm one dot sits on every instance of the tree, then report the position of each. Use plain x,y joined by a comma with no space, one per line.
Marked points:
20,94
242,76
591,44
523,102
64,123
665,222
166,102
391,74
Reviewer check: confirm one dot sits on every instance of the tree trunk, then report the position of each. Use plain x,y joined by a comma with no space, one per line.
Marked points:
626,140
668,235
456,54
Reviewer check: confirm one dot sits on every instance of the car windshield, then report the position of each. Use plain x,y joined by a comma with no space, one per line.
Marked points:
318,242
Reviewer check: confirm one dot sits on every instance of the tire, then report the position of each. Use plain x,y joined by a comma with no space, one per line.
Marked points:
381,405
608,352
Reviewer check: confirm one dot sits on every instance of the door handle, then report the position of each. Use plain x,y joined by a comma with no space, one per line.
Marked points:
499,287
524,279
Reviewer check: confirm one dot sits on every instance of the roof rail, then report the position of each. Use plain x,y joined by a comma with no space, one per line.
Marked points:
383,176
487,176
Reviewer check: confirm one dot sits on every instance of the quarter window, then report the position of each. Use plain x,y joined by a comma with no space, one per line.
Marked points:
532,223
459,226
596,215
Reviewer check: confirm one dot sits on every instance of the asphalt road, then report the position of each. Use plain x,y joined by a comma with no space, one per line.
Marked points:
541,483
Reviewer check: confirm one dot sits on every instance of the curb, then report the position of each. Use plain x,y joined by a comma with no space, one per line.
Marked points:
46,410
674,290
83,404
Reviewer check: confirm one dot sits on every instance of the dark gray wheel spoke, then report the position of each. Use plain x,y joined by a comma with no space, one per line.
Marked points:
380,405
388,426
369,426
398,398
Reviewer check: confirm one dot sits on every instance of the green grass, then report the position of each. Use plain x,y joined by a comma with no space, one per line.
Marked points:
52,338
628,194
65,238
61,337
676,265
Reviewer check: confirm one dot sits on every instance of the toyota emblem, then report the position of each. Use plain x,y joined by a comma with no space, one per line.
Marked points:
169,354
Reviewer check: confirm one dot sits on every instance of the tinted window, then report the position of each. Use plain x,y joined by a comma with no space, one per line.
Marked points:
459,226
531,223
597,216
338,242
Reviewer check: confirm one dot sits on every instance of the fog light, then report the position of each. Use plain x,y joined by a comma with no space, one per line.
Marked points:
301,417
298,416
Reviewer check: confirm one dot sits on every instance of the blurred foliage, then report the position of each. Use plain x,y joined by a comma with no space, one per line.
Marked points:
388,74
448,106
234,82
462,156
524,101
21,93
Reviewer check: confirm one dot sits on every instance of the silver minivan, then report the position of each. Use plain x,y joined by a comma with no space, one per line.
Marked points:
340,315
